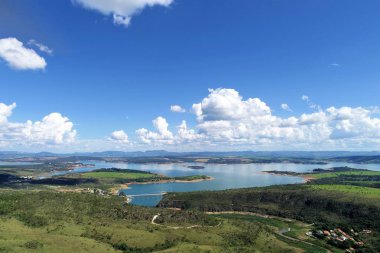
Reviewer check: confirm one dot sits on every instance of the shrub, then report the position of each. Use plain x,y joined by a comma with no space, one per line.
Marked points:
33,245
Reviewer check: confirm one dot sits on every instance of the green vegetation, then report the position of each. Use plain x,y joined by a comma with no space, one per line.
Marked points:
348,207
351,191
32,221
126,176
289,231
348,173
338,197
339,176
357,159
118,175
39,169
192,178
350,178
48,221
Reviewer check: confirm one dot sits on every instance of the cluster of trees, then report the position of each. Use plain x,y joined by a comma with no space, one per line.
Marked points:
352,179
96,214
37,209
294,201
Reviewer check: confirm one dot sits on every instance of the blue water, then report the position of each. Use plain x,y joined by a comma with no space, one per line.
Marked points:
225,176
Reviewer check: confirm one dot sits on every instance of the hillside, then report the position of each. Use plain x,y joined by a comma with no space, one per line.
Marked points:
50,222
325,205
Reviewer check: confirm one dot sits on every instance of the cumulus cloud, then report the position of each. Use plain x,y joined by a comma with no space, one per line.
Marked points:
185,134
18,56
53,129
226,118
226,104
255,123
286,107
177,108
41,47
162,134
121,10
5,112
119,137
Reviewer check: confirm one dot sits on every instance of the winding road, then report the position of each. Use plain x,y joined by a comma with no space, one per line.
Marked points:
153,222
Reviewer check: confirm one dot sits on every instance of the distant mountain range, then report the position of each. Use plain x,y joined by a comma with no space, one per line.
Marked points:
164,153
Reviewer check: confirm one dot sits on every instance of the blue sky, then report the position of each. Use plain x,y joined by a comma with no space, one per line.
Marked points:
105,76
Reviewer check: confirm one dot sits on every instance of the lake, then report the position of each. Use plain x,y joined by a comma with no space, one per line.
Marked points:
225,176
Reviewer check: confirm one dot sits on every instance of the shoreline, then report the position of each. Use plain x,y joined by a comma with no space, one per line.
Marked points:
305,177
115,190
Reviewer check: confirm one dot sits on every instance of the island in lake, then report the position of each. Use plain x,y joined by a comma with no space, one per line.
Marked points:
196,167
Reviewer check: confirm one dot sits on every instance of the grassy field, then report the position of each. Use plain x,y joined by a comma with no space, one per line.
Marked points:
349,173
351,177
354,191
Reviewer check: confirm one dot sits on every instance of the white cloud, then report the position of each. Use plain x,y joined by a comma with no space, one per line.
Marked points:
162,134
335,65
177,108
19,57
41,47
119,137
256,124
286,107
53,129
225,119
121,10
310,103
185,134
226,104
5,112
305,98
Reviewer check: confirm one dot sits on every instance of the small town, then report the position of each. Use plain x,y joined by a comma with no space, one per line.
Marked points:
337,237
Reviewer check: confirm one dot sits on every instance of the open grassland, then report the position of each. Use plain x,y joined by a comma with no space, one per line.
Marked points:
17,237
366,193
347,173
364,178
131,175
76,222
